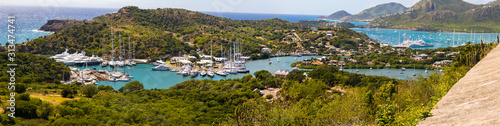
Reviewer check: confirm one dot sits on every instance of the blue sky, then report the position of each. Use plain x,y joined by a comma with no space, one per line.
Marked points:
309,7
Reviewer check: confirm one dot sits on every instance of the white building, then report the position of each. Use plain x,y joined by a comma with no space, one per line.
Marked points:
266,50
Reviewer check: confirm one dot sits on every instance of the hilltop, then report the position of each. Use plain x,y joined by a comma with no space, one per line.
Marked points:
444,15
377,11
163,33
337,15
58,25
160,33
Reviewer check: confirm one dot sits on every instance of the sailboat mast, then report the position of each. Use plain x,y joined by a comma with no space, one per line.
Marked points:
120,45
129,50
211,58
230,60
234,52
113,49
103,45
133,44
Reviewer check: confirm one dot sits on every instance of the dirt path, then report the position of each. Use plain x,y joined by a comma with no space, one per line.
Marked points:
474,99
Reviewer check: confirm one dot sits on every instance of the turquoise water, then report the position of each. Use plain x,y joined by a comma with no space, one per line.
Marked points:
30,19
355,23
439,39
392,73
166,79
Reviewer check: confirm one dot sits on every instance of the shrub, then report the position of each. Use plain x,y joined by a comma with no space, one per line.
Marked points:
20,88
68,92
89,91
132,86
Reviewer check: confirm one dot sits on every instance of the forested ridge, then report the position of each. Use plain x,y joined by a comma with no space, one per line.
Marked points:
161,33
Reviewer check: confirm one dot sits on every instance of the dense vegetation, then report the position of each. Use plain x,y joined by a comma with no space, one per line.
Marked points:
31,68
375,12
444,15
160,33
391,59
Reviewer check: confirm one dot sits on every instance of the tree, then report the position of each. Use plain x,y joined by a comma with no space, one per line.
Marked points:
132,86
20,88
26,109
325,73
311,89
89,90
262,75
45,110
105,88
193,53
296,75
68,92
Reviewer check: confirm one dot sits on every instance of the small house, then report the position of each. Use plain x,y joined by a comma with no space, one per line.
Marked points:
281,73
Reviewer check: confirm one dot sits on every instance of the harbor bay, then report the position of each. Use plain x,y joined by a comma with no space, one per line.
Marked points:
438,39
165,79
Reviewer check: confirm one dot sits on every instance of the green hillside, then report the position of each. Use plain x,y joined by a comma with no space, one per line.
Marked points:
377,11
337,15
161,33
444,15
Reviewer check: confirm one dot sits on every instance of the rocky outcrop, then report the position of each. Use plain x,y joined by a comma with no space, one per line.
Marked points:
58,25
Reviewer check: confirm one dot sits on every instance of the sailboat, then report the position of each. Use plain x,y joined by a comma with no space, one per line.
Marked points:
357,67
426,70
119,62
221,73
112,62
414,74
241,61
203,73
210,72
277,58
232,66
104,63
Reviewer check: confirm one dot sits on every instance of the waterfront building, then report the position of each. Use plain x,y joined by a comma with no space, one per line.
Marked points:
281,73
264,50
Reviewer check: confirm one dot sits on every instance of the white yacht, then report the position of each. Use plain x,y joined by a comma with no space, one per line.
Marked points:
221,73
203,73
414,43
210,73
161,68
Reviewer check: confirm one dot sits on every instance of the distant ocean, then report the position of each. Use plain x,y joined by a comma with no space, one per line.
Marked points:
30,19
259,16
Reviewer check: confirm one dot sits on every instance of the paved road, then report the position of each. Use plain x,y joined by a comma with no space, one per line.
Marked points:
474,99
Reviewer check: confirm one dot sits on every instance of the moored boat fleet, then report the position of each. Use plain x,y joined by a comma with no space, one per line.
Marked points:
90,76
77,59
231,61
234,64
